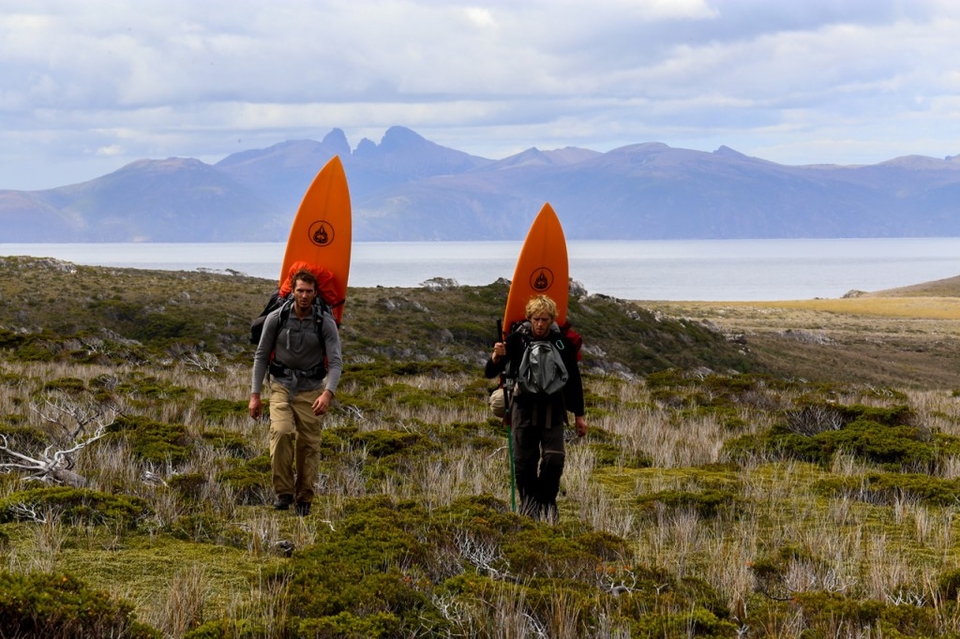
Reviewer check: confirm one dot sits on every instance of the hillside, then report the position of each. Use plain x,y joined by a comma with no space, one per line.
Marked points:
147,312
721,490
948,287
907,336
408,188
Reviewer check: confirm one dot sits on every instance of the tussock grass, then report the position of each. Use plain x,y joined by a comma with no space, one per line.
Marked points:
695,507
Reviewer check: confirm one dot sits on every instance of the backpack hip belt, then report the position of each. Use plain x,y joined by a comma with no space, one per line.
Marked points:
280,370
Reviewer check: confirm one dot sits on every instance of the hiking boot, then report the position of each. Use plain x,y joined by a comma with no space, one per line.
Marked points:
283,502
302,508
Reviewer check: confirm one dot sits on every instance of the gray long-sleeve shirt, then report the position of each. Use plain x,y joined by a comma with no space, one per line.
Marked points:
297,346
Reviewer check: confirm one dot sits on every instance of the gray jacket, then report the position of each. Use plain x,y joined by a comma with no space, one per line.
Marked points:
296,346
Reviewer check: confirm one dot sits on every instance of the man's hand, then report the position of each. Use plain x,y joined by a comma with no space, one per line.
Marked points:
322,403
255,407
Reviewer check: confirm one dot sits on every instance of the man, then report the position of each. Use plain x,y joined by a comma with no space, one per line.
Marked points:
301,348
537,418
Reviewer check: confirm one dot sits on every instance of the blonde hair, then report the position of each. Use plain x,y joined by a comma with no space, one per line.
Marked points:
541,304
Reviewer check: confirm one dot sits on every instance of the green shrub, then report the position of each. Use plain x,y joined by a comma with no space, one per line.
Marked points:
233,443
219,410
559,551
882,436
56,606
37,350
825,609
364,568
696,622
75,505
347,625
888,488
151,387
188,485
199,527
24,438
708,504
154,441
948,585
251,482
380,443
65,384
11,340
232,629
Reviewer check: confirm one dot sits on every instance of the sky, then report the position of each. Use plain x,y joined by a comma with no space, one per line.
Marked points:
87,87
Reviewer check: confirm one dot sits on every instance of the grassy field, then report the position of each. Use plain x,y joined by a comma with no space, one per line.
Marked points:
785,469
904,337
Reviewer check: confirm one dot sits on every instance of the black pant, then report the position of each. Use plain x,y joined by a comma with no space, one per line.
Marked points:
538,453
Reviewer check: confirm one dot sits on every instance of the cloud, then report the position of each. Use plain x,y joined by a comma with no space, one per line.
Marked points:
796,82
113,149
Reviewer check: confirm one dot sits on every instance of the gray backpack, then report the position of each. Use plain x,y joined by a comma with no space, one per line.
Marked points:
542,369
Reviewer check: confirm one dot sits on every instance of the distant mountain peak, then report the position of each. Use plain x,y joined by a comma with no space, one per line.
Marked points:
921,162
726,152
530,157
410,188
166,165
398,137
535,157
336,140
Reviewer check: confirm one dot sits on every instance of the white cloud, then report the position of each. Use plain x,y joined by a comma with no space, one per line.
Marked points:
113,149
812,81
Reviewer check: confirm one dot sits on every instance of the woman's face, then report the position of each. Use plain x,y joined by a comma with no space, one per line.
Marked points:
540,324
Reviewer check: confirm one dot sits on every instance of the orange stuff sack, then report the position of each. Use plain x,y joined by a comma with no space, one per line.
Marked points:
324,282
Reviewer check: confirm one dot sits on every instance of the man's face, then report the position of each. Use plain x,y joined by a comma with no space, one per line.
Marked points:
540,325
304,293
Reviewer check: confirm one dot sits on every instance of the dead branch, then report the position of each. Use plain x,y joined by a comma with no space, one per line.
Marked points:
207,362
50,465
81,413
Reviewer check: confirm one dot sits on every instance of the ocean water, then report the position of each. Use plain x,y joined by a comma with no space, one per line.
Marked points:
704,270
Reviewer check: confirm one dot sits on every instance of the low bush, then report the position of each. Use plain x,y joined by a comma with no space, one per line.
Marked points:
74,505
888,488
189,486
218,410
233,443
886,437
154,441
251,481
707,504
58,606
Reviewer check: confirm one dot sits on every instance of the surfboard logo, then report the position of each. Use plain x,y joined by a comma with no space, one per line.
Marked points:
321,233
541,279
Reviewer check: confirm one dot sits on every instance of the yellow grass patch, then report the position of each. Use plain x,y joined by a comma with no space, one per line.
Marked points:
944,308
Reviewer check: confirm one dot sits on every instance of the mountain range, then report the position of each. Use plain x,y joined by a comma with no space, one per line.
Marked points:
408,188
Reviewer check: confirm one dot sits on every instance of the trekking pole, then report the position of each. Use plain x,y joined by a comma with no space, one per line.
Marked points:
506,421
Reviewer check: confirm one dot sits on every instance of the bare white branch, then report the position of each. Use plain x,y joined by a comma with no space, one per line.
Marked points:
49,466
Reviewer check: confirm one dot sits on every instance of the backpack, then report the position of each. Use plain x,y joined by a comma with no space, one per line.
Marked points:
284,294
573,337
541,368
320,308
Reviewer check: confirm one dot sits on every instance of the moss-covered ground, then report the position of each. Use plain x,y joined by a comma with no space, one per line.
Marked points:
729,486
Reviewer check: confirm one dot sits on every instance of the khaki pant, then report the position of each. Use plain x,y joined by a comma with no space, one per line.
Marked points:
294,442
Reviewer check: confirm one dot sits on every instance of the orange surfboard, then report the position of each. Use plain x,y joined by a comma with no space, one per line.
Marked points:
322,231
542,268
